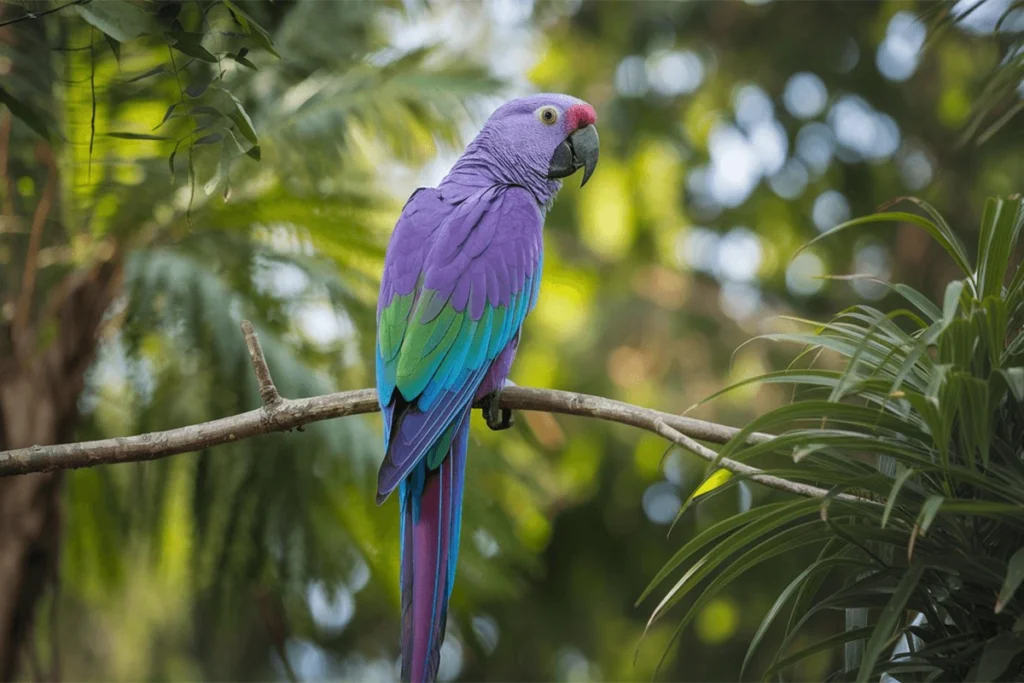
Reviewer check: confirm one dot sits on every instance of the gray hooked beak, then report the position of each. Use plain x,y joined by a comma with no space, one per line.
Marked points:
579,150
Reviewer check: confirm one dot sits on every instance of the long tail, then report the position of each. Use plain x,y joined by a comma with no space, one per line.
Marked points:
431,508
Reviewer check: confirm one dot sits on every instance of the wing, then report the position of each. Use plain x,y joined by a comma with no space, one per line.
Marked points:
458,281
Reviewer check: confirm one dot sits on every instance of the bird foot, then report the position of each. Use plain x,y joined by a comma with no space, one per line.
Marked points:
497,418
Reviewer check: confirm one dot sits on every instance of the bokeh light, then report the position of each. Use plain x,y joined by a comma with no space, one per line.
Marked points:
803,274
675,72
739,255
872,260
487,632
862,132
916,170
815,146
830,209
805,95
331,610
898,54
661,502
718,621
791,181
631,77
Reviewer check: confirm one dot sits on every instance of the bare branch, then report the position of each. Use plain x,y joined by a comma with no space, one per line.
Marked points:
268,391
752,473
280,414
35,15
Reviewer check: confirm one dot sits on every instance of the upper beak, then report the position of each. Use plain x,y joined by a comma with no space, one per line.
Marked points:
579,150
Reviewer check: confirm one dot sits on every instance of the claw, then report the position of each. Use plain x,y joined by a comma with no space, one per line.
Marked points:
497,418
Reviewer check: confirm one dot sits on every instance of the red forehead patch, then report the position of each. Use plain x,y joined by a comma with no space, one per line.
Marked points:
580,116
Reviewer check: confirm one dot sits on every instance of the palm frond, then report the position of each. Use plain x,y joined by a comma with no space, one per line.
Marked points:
923,419
1000,99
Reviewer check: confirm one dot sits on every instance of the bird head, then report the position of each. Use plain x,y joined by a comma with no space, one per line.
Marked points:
552,135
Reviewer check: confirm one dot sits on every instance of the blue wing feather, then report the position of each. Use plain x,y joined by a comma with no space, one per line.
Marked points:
462,349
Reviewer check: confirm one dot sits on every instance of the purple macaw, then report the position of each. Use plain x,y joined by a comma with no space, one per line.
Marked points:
461,272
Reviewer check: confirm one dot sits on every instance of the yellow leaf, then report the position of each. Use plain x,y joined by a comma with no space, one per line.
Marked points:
712,483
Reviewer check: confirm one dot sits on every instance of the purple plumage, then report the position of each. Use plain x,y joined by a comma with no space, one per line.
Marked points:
461,272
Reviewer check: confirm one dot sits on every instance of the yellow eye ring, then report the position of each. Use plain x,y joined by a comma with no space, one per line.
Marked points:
548,115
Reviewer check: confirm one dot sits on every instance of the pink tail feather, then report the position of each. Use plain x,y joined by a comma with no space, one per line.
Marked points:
431,508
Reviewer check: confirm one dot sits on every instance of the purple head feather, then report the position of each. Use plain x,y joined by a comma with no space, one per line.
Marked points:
529,142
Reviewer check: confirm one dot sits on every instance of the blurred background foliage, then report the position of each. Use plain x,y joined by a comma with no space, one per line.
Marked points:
733,132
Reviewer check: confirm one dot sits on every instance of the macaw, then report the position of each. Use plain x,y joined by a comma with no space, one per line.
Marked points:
461,271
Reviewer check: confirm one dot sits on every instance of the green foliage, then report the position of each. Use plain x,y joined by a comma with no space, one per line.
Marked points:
208,31
998,103
556,542
155,112
920,414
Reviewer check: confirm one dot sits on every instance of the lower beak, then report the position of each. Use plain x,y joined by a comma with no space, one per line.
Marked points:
579,150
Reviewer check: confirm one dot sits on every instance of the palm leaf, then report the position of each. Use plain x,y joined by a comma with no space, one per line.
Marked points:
922,418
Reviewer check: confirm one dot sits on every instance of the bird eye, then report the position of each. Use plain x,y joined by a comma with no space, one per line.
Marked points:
548,115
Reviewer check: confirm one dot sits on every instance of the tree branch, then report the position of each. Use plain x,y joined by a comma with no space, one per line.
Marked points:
280,414
752,473
35,15
268,391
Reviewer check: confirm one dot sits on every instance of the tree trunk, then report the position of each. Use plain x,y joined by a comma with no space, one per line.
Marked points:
39,391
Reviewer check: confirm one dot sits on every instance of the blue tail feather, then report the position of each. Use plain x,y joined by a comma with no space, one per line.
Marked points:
431,507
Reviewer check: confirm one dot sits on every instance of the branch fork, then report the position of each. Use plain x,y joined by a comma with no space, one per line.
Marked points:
278,414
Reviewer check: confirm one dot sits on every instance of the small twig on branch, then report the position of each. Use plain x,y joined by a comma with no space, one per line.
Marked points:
35,15
752,473
281,414
268,391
